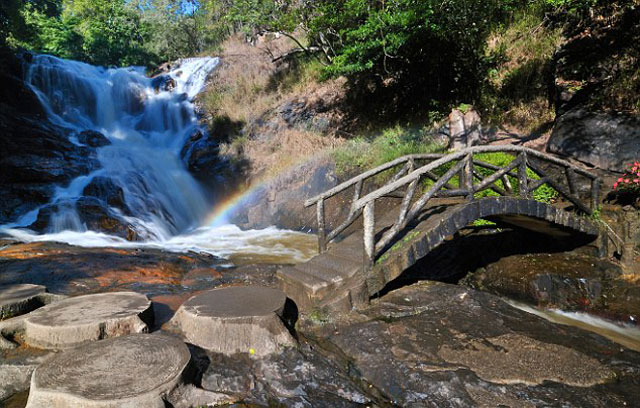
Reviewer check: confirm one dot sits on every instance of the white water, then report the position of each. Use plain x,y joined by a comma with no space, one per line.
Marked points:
626,335
147,130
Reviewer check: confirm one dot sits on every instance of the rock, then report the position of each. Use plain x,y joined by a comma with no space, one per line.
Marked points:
570,281
609,141
242,319
86,213
137,370
294,378
80,319
188,396
106,190
75,270
163,83
16,372
279,202
34,157
486,357
19,299
201,155
439,345
465,129
93,138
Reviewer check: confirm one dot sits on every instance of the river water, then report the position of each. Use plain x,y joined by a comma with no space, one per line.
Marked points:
147,128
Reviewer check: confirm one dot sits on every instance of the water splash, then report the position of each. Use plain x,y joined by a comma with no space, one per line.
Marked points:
624,334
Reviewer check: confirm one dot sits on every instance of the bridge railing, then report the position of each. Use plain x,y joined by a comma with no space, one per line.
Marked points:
471,180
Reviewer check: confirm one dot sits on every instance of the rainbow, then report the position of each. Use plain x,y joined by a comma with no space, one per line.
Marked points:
221,212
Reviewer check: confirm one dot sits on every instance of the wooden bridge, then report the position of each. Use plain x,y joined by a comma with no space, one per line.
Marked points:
436,196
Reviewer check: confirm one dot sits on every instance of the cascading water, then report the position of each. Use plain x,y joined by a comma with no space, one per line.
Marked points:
146,128
147,122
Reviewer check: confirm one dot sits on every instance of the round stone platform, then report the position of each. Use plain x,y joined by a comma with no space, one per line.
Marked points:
136,370
244,319
76,320
19,299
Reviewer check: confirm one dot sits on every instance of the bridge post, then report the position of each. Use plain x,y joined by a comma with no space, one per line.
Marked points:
369,235
467,184
595,193
523,186
322,232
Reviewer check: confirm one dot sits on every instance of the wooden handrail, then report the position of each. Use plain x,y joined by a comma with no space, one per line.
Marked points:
369,173
409,176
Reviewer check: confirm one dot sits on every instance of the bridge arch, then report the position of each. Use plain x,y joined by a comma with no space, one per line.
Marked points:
434,229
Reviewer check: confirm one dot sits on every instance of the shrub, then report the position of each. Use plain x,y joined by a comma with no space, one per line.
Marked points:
629,183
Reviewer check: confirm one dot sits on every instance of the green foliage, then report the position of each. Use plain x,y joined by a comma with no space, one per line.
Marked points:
113,32
436,47
544,193
481,222
360,154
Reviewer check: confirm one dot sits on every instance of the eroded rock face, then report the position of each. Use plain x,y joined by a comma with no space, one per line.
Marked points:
300,378
609,141
439,345
572,281
107,190
93,214
200,153
35,155
280,201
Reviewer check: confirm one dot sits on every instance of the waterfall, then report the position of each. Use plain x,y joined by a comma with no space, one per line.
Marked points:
147,122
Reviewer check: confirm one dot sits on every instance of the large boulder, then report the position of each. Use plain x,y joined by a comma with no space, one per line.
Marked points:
280,202
93,138
34,157
105,189
87,212
609,141
163,83
465,129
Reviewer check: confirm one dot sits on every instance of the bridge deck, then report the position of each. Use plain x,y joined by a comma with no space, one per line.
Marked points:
337,279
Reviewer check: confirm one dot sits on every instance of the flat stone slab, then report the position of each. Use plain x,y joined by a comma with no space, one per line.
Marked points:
137,370
80,319
244,319
19,299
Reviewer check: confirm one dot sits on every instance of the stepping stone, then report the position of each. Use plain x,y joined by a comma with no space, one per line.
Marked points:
244,319
76,320
19,299
136,370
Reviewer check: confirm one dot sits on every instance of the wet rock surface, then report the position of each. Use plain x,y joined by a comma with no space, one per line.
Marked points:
35,155
439,345
572,281
93,138
296,377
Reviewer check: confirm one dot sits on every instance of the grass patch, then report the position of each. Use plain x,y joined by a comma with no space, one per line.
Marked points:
483,223
517,88
360,154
